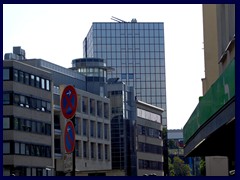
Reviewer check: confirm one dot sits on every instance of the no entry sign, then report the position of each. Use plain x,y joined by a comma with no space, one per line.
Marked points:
69,102
69,137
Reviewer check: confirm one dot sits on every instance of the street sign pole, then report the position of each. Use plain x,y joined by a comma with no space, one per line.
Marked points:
73,153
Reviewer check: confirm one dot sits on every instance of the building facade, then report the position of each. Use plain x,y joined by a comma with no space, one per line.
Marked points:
149,141
210,131
136,51
28,144
32,94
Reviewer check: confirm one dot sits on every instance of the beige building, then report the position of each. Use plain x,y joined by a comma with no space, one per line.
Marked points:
93,135
210,131
149,142
28,147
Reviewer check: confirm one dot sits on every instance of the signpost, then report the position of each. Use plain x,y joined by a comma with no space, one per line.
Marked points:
68,108
69,102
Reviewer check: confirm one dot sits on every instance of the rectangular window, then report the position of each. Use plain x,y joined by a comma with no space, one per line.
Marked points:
32,80
85,149
106,110
99,151
99,128
6,74
6,98
92,150
16,148
37,82
106,152
22,148
21,77
15,75
105,131
43,83
6,147
6,122
92,129
26,78
85,105
48,85
92,106
84,130
99,108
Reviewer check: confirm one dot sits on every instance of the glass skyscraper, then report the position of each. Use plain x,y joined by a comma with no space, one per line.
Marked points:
136,51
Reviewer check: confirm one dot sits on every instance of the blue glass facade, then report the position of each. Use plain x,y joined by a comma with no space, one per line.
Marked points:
136,51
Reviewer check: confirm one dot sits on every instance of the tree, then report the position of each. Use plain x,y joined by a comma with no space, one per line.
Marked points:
202,166
178,168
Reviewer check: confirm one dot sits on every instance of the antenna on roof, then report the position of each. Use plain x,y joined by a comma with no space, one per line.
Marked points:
117,19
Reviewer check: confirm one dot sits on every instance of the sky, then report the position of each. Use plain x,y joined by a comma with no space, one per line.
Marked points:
55,33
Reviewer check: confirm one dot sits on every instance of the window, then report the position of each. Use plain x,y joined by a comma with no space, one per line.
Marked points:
92,106
6,147
92,150
106,152
99,128
6,98
6,122
43,83
26,78
99,108
105,131
84,127
32,80
6,74
48,85
130,76
106,110
22,148
37,82
15,75
92,128
20,77
85,105
17,148
99,151
84,149
124,76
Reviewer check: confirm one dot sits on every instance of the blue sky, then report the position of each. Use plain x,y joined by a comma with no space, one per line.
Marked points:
56,32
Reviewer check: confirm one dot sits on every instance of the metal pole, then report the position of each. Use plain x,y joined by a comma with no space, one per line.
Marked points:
73,153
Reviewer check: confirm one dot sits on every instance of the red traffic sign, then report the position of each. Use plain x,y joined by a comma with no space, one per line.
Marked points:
69,137
69,102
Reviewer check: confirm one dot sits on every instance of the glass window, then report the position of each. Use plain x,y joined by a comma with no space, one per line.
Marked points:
84,130
22,100
43,83
85,105
20,77
99,129
124,76
48,106
6,98
6,74
15,75
6,147
22,148
32,80
99,108
26,78
92,106
106,152
85,149
131,76
93,150
37,81
48,85
106,110
99,151
6,122
92,128
105,131
16,148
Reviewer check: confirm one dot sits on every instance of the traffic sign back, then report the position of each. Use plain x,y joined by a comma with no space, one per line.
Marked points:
69,102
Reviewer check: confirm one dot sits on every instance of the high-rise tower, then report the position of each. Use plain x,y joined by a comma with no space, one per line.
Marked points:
136,51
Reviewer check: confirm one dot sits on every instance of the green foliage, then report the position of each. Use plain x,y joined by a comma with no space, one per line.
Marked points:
178,168
202,166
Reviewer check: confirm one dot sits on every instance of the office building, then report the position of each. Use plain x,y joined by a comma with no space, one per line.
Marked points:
210,131
149,141
136,51
28,148
34,124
